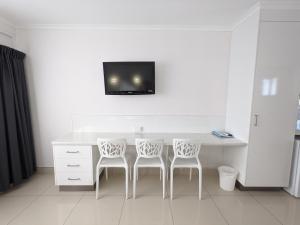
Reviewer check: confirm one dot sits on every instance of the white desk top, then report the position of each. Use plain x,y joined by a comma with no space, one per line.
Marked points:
90,138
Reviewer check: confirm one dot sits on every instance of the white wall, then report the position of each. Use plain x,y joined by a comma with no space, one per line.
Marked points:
240,87
7,33
65,75
6,40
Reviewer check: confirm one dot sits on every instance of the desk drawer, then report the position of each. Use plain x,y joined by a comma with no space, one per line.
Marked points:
73,178
73,165
72,151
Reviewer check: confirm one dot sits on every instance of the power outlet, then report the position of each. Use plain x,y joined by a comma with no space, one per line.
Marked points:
138,129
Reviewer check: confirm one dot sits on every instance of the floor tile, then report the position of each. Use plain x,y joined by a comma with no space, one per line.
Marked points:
146,210
183,186
268,193
115,185
10,207
211,184
39,202
284,208
47,210
35,185
54,190
189,210
104,211
244,210
150,185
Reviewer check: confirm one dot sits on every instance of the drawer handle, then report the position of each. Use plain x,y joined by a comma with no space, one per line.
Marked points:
73,178
73,165
72,151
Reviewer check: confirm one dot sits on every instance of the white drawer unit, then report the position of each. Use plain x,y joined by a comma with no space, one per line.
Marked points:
74,165
74,178
72,151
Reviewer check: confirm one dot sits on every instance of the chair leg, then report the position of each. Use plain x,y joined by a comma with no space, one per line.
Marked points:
97,183
191,170
167,162
130,171
126,182
171,183
160,174
134,180
167,172
106,173
137,173
164,183
200,183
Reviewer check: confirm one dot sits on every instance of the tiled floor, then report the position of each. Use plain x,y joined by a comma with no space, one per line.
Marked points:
38,202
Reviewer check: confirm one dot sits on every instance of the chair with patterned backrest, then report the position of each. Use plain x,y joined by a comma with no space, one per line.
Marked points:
149,155
112,154
186,155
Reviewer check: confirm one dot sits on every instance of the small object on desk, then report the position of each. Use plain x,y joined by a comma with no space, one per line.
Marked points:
138,129
222,134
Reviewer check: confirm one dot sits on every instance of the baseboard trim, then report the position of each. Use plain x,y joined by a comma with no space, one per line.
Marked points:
43,170
77,188
241,187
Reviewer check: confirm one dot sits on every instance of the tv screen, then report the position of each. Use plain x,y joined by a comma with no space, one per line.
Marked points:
129,78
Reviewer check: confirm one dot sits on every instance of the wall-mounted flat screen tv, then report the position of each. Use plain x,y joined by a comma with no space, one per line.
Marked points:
129,78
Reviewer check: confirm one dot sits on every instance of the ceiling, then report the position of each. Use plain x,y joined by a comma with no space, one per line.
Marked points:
125,12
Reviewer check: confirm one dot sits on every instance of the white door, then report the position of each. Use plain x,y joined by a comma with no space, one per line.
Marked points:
274,106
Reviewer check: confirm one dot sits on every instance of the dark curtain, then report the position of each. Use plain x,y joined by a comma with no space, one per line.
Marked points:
17,155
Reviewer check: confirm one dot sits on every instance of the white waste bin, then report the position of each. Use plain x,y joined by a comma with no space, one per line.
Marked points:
227,177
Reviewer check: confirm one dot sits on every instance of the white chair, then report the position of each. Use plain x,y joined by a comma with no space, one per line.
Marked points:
186,155
112,154
149,155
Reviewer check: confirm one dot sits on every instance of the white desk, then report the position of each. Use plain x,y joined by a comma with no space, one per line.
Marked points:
75,154
90,138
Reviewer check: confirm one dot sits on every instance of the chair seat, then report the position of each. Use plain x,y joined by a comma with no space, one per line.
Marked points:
185,163
113,162
149,162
